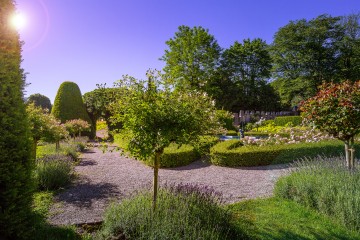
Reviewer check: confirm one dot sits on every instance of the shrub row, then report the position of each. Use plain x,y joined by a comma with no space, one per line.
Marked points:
282,121
174,155
327,186
231,153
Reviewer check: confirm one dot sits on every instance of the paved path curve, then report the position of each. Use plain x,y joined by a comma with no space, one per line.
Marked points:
104,177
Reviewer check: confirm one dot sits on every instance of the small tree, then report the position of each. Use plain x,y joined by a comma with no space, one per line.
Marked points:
44,125
336,110
76,126
155,116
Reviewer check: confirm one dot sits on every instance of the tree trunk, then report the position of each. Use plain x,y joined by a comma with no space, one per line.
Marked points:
347,155
34,147
352,153
156,177
57,146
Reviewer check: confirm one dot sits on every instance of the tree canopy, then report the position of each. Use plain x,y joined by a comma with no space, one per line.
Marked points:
336,110
192,57
155,115
40,101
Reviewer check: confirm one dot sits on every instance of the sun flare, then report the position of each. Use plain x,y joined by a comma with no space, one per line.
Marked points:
18,21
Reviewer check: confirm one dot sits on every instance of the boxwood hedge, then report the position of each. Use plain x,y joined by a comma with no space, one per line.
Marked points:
282,121
174,155
231,153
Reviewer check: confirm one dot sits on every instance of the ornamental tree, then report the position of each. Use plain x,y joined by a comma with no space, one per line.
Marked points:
44,126
76,126
155,115
336,110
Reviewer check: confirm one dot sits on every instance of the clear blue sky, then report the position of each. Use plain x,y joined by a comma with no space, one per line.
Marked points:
98,41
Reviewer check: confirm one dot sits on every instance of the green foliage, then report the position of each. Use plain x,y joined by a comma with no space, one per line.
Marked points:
232,133
325,185
335,110
192,57
98,104
76,126
279,219
226,119
176,156
247,65
40,101
68,104
285,120
184,212
16,165
304,54
101,125
70,149
155,117
53,171
232,153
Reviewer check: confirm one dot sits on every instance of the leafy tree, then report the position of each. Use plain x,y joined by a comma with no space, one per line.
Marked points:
68,103
40,101
192,57
349,46
305,53
335,110
76,126
155,115
247,65
98,105
43,126
16,164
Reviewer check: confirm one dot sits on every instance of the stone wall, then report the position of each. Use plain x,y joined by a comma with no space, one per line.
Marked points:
245,116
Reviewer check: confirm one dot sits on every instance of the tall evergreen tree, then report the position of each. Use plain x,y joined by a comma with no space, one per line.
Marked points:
15,147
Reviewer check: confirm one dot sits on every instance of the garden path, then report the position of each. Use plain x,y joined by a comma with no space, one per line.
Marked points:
103,177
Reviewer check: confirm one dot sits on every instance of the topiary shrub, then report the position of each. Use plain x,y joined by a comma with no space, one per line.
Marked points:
16,185
283,121
40,101
231,153
68,104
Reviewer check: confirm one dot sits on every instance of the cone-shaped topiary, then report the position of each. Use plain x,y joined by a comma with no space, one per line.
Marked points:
15,147
68,104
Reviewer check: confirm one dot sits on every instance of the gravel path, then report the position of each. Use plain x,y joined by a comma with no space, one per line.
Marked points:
108,176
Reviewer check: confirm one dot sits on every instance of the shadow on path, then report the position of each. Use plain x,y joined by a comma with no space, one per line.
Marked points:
85,193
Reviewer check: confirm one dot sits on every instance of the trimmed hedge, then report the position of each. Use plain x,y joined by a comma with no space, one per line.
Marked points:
282,121
174,155
68,104
229,153
16,183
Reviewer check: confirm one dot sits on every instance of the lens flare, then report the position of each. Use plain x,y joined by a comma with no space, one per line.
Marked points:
18,21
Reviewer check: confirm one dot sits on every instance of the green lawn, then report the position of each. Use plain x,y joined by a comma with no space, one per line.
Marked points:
274,218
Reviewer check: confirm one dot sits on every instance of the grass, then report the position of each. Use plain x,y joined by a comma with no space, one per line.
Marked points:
275,218
326,185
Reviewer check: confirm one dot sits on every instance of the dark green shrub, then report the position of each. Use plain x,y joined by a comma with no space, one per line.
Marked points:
53,171
293,120
204,145
326,185
16,185
68,104
231,153
176,156
40,101
183,212
232,133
